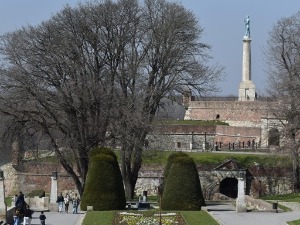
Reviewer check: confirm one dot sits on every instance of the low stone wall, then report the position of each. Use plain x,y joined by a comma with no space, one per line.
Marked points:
259,204
258,183
38,204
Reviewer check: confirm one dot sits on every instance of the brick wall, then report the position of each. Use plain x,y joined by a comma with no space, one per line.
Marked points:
34,175
258,183
189,137
228,134
236,113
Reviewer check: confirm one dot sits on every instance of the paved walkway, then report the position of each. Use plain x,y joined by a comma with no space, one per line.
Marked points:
56,218
225,214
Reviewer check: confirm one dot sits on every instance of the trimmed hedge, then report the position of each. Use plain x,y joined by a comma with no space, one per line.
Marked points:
104,188
170,161
182,189
101,150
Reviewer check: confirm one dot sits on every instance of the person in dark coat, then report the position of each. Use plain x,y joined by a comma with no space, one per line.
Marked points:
27,215
20,202
42,218
60,201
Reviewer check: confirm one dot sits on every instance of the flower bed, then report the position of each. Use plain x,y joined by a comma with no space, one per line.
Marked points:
125,218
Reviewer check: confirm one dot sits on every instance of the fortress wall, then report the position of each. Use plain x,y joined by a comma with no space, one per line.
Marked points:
148,180
33,175
192,137
228,134
183,129
250,131
236,113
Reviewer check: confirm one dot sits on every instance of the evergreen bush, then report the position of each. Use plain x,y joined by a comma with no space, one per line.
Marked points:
182,189
39,192
101,150
104,188
170,161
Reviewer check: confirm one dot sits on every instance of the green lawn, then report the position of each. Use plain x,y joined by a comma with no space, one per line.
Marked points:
296,222
198,217
292,197
151,157
106,218
99,218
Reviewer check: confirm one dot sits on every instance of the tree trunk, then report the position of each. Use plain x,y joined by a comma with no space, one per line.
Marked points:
131,162
296,174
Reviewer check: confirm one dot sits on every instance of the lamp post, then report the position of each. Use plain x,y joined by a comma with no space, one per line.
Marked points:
205,140
160,190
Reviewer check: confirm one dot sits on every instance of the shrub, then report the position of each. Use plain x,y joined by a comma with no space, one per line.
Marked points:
182,188
40,193
104,188
170,161
101,150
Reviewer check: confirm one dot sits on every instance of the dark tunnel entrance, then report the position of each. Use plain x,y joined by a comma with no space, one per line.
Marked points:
229,187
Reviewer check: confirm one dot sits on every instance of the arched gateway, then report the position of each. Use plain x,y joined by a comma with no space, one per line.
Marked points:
229,187
222,179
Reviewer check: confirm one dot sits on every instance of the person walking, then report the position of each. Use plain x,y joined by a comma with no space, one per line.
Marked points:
42,218
27,215
14,200
60,201
67,202
20,202
75,203
17,216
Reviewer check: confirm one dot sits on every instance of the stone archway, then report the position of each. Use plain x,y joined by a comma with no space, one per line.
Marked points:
229,187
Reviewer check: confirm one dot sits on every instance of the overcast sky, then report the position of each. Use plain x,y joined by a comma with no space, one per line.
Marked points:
222,20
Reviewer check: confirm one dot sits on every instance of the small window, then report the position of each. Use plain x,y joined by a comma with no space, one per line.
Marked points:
217,116
178,144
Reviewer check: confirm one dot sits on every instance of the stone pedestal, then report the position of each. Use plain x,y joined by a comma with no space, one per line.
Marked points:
53,193
241,200
2,200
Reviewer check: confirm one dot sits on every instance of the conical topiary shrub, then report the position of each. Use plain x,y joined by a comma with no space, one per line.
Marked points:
170,161
104,188
101,150
182,189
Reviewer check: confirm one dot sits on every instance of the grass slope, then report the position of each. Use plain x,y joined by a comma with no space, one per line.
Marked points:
151,157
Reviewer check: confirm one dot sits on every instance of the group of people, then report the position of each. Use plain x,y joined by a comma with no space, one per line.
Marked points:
66,200
23,213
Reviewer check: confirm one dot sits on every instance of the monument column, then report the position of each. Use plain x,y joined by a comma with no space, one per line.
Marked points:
247,90
246,59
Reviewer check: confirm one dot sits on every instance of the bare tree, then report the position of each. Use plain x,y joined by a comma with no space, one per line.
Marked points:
59,78
283,60
165,59
100,70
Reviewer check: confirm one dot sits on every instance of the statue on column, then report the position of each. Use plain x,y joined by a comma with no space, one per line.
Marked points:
247,25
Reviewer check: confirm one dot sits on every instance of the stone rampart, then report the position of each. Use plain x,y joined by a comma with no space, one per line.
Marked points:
236,113
149,179
238,135
192,137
